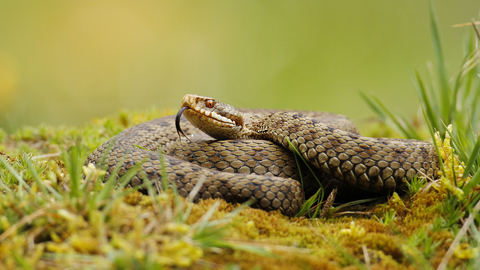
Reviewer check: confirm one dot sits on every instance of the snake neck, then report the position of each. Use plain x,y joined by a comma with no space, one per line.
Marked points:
377,164
280,127
255,127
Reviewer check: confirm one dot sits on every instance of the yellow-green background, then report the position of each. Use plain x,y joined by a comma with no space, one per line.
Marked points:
64,62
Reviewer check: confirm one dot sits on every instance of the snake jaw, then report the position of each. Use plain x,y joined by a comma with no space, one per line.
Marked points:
217,119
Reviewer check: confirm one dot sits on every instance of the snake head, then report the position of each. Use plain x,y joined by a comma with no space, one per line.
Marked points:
219,120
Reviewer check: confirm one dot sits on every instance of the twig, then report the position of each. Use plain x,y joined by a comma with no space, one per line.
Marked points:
458,237
474,24
329,202
47,155
25,220
367,257
466,24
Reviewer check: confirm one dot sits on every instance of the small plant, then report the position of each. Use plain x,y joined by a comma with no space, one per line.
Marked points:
428,245
450,107
416,184
387,218
317,198
438,224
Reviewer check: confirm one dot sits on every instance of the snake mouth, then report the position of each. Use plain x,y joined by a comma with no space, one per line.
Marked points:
214,116
203,118
211,110
219,120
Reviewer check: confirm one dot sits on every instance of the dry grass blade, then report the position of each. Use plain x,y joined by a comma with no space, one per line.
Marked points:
24,221
474,25
458,237
366,256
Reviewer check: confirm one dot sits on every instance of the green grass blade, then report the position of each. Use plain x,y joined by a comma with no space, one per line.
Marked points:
428,110
472,183
404,127
356,202
109,184
432,135
308,204
473,158
34,173
191,196
377,109
165,180
442,73
73,159
16,175
410,129
202,223
4,187
318,196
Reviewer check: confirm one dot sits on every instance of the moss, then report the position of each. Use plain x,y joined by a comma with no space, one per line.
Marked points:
292,259
145,231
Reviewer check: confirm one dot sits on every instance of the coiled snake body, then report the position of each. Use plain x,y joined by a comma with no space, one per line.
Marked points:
328,142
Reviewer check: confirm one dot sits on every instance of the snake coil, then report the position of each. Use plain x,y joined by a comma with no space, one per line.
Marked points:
256,141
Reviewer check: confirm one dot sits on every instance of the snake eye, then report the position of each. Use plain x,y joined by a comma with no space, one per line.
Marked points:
210,103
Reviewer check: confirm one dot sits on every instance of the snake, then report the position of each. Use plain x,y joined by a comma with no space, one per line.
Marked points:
241,155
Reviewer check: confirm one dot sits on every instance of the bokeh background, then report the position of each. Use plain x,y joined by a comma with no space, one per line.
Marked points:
66,62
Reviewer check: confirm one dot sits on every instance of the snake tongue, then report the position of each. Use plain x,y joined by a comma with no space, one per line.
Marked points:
177,123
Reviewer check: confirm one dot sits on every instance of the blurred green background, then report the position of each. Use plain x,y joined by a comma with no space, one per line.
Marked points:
65,62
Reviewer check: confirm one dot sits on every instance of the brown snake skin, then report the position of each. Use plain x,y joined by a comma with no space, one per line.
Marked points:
329,142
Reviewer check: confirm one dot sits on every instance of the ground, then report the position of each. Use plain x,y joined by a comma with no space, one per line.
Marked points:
52,216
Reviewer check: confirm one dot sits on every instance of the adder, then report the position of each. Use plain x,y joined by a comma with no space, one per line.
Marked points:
242,142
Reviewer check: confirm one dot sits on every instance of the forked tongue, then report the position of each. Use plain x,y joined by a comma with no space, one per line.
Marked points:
177,124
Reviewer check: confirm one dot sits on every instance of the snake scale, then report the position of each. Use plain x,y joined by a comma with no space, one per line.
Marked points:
251,158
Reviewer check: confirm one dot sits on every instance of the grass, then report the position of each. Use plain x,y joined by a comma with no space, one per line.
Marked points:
55,213
450,107
75,223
